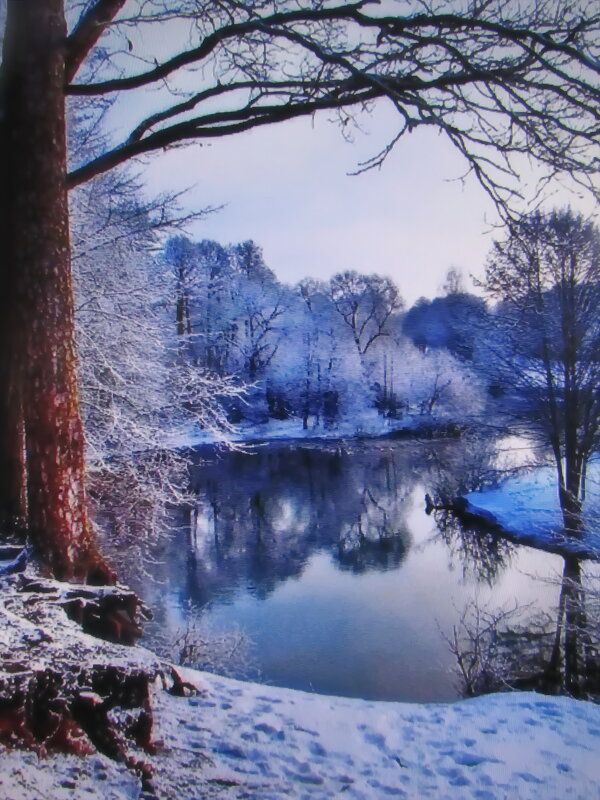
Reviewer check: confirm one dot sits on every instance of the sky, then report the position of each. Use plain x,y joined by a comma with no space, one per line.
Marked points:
288,188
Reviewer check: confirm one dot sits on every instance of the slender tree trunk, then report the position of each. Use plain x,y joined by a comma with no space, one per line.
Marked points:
551,680
180,313
570,493
40,329
306,410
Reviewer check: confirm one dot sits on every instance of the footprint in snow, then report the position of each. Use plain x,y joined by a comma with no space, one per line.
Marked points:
390,791
372,737
467,759
317,749
455,776
528,777
270,731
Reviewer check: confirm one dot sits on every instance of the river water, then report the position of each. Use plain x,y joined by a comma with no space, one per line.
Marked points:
322,561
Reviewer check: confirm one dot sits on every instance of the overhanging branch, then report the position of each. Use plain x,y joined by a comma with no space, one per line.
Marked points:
88,30
211,126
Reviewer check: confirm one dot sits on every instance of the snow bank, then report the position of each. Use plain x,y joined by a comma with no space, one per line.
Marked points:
24,776
242,740
369,423
527,508
272,743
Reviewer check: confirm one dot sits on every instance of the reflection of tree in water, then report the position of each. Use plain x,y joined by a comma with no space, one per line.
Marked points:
260,516
465,467
574,663
453,471
519,648
523,649
481,553
372,540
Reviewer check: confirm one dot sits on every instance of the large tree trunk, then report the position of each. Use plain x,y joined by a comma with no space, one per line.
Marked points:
39,331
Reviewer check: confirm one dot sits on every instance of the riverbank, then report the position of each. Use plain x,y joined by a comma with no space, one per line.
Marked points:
526,509
241,740
368,425
223,738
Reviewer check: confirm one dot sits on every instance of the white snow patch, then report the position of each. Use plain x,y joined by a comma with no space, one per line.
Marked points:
243,740
367,423
527,507
25,776
276,743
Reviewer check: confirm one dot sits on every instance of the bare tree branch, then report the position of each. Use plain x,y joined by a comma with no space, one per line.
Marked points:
87,32
500,82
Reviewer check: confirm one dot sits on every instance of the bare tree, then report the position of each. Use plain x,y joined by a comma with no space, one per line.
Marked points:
500,80
454,283
546,274
366,304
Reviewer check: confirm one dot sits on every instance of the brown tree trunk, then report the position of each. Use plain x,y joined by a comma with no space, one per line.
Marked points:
13,475
40,331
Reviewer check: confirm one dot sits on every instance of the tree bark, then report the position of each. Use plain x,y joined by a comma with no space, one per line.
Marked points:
39,332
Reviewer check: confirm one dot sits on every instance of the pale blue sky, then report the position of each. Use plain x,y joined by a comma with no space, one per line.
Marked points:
287,187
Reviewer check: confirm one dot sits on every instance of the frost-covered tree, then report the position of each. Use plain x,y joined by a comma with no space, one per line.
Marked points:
120,320
438,384
258,311
304,374
228,305
546,276
201,273
366,303
136,389
456,322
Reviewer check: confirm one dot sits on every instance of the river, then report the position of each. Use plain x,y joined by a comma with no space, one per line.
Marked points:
315,566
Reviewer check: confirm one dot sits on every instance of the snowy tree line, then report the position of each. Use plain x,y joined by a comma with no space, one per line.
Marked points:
200,332
180,332
319,351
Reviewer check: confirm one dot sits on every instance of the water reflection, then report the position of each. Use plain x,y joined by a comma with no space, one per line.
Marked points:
556,652
481,553
323,554
259,517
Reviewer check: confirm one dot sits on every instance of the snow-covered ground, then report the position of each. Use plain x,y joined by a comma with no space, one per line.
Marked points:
368,423
527,508
242,740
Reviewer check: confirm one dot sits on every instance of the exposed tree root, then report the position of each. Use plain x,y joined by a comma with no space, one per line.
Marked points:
64,691
109,612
